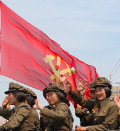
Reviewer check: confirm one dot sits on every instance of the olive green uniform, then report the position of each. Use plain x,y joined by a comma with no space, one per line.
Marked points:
104,114
34,120
21,120
44,121
60,118
119,121
6,113
84,115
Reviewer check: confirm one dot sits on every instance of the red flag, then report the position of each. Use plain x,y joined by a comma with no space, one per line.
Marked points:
29,56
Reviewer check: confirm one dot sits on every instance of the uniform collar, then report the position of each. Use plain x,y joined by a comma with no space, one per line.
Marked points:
104,102
58,104
16,107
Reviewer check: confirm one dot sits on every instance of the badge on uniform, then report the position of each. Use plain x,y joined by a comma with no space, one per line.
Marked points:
103,111
95,109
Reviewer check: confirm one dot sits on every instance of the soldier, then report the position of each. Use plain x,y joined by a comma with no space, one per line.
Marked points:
60,117
30,99
83,113
19,117
104,111
44,121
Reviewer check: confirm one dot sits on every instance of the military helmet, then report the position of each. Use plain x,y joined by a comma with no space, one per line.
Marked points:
15,87
31,93
54,87
101,81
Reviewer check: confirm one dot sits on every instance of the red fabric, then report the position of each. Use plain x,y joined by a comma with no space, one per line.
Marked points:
24,48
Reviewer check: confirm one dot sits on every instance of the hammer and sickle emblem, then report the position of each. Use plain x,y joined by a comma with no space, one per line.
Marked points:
48,59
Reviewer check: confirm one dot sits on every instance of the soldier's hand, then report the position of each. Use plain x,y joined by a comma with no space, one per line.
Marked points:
37,105
5,103
81,86
69,84
62,78
117,100
80,128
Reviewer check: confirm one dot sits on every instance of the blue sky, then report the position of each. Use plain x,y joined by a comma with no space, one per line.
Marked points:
87,29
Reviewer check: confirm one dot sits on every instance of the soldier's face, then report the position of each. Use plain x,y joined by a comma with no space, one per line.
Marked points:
12,100
100,93
92,95
52,98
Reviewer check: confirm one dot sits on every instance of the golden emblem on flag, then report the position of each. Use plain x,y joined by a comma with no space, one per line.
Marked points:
56,68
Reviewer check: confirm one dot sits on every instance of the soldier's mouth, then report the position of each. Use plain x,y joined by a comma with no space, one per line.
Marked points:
100,96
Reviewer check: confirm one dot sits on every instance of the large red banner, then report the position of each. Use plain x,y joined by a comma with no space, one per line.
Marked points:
29,56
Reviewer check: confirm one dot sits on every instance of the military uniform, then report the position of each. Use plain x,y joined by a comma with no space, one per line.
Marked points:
104,113
18,121
6,113
84,115
44,121
21,117
34,114
118,122
34,119
61,117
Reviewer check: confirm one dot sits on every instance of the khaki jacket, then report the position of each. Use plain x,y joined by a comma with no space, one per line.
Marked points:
6,113
44,121
34,120
60,117
118,123
84,115
104,114
24,118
